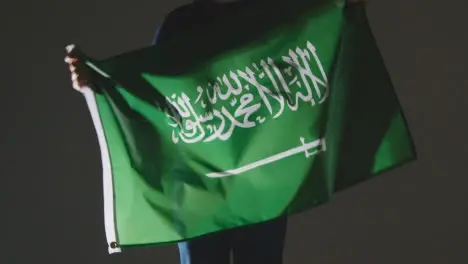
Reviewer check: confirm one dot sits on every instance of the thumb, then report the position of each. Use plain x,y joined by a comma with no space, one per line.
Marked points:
75,52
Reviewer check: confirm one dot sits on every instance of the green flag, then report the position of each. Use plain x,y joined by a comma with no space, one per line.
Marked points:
243,122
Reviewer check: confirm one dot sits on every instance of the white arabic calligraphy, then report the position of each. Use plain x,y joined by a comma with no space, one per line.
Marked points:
208,118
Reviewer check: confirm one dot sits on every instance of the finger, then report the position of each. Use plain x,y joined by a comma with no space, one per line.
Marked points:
74,77
70,59
71,51
79,84
70,48
74,52
76,86
80,78
82,71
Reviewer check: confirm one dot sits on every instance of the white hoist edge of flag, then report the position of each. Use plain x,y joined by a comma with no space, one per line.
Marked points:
108,185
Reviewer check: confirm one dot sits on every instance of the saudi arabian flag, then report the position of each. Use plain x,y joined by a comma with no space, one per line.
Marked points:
257,116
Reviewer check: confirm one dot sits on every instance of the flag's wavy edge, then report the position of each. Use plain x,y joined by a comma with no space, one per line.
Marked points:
108,184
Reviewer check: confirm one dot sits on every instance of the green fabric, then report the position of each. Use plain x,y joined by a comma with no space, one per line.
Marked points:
247,120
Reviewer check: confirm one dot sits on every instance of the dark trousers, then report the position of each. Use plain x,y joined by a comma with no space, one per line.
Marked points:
258,244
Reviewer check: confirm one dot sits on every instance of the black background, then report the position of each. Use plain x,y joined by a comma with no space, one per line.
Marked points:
53,204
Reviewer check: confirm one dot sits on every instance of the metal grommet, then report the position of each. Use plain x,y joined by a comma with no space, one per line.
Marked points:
114,245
